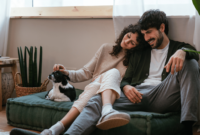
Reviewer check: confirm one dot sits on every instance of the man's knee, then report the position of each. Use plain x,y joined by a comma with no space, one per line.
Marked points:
95,100
191,65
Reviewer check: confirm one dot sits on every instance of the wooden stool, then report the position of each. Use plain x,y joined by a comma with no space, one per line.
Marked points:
11,62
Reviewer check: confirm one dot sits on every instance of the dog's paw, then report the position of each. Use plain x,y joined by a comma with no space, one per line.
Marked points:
51,97
61,100
47,97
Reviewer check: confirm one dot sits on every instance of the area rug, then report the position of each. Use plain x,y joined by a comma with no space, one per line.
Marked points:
4,132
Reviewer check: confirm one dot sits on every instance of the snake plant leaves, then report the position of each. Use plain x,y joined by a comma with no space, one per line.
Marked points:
30,70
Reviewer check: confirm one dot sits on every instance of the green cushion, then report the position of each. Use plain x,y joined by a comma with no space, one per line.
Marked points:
36,113
147,123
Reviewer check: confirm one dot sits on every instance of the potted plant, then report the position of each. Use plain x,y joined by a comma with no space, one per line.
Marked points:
31,80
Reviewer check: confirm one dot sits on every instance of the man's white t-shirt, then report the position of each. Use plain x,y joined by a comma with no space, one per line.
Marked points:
158,58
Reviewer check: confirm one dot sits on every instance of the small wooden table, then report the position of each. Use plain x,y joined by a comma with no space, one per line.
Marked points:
11,62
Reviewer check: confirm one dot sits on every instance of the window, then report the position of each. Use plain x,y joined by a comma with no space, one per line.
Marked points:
96,8
59,3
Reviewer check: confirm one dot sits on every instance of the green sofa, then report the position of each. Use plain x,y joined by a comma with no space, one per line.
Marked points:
36,113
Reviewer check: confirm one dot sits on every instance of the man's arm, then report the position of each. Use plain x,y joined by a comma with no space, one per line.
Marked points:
191,55
179,57
128,74
131,92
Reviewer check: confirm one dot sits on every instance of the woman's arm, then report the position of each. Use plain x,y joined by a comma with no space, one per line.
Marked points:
84,73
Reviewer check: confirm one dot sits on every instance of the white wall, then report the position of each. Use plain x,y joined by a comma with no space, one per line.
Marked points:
71,42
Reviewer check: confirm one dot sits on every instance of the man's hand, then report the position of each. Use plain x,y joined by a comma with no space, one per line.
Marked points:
132,94
176,60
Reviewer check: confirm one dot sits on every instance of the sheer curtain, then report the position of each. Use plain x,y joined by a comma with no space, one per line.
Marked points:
129,11
137,7
59,3
4,25
197,32
47,3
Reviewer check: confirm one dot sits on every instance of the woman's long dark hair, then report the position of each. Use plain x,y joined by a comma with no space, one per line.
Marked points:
140,39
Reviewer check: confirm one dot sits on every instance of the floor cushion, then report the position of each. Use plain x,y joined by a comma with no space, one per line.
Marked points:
36,113
147,123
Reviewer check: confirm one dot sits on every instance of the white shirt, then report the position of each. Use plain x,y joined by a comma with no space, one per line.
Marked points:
158,58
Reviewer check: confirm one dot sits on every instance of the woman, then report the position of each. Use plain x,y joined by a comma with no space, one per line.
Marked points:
106,69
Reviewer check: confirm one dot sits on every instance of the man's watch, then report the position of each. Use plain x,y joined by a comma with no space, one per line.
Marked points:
184,49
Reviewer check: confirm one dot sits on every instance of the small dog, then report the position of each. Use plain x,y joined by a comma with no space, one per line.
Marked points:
62,90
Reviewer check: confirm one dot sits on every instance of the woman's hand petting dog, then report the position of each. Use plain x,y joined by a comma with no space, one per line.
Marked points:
132,94
61,68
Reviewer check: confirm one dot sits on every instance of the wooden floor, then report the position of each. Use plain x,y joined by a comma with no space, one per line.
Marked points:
5,127
195,131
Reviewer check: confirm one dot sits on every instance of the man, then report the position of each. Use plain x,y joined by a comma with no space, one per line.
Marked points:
163,92
158,79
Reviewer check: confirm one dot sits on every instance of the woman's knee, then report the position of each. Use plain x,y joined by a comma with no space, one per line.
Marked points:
93,84
114,71
112,74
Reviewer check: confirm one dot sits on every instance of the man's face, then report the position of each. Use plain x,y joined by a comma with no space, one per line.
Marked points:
153,36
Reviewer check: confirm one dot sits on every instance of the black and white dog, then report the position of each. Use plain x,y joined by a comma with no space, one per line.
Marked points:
62,90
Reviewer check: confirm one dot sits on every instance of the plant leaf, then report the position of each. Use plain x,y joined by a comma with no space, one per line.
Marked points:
196,4
192,51
31,67
40,67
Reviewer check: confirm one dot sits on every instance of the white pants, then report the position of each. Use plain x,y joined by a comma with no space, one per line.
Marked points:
109,80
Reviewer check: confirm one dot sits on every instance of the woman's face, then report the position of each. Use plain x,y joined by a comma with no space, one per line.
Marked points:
129,41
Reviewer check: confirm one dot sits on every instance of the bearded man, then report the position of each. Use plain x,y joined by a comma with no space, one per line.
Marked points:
148,81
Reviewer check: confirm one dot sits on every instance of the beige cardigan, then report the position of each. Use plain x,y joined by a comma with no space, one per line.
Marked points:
100,63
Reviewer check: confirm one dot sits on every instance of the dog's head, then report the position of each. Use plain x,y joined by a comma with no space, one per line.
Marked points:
58,77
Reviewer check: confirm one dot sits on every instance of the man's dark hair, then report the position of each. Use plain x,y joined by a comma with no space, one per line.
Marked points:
153,18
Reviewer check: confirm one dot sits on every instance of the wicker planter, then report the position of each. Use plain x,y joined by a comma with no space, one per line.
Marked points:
23,91
7,86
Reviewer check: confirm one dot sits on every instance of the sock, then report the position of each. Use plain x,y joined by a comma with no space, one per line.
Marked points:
187,127
57,128
106,108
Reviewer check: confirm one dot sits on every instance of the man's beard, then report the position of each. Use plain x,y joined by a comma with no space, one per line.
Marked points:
159,40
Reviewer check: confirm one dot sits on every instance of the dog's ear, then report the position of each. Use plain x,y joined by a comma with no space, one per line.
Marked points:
67,77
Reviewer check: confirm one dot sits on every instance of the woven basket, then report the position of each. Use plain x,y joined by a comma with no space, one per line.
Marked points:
23,91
